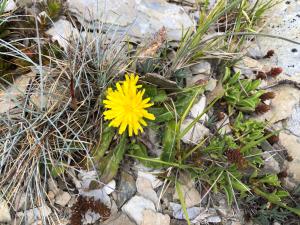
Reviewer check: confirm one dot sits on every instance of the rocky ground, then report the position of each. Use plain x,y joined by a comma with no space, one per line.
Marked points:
140,195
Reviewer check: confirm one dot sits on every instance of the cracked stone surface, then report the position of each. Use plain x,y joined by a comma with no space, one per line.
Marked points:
139,18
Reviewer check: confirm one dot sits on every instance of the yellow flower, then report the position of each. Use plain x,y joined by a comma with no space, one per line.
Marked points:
126,106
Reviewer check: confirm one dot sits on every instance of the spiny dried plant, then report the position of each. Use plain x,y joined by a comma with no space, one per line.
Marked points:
83,205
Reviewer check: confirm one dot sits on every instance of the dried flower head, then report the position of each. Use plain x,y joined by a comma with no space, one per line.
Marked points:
269,54
126,106
221,116
267,96
274,72
236,157
273,139
289,158
201,82
261,75
282,174
262,108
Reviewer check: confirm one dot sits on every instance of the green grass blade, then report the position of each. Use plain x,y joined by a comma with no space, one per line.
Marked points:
182,201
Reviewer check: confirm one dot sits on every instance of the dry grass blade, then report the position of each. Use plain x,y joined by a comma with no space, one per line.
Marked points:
36,140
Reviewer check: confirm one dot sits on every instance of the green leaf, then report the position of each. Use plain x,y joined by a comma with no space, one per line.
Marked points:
162,114
169,138
282,193
57,170
229,194
110,164
182,201
226,75
103,144
270,179
161,96
139,150
238,185
234,78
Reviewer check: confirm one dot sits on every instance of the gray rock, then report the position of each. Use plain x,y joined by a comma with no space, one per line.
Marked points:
110,187
97,194
192,80
63,32
283,20
270,165
195,134
211,84
153,218
214,219
292,145
247,65
136,206
178,213
198,108
86,177
90,217
145,189
178,222
52,186
9,97
138,18
282,105
9,6
207,214
155,182
119,219
203,67
33,215
191,195
125,189
293,123
5,216
62,198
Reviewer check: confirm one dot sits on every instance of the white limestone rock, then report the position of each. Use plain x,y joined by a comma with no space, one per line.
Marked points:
136,206
63,32
9,96
153,218
155,182
282,105
137,18
198,108
195,134
203,67
292,145
35,214
145,189
10,6
62,198
5,216
178,213
283,20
